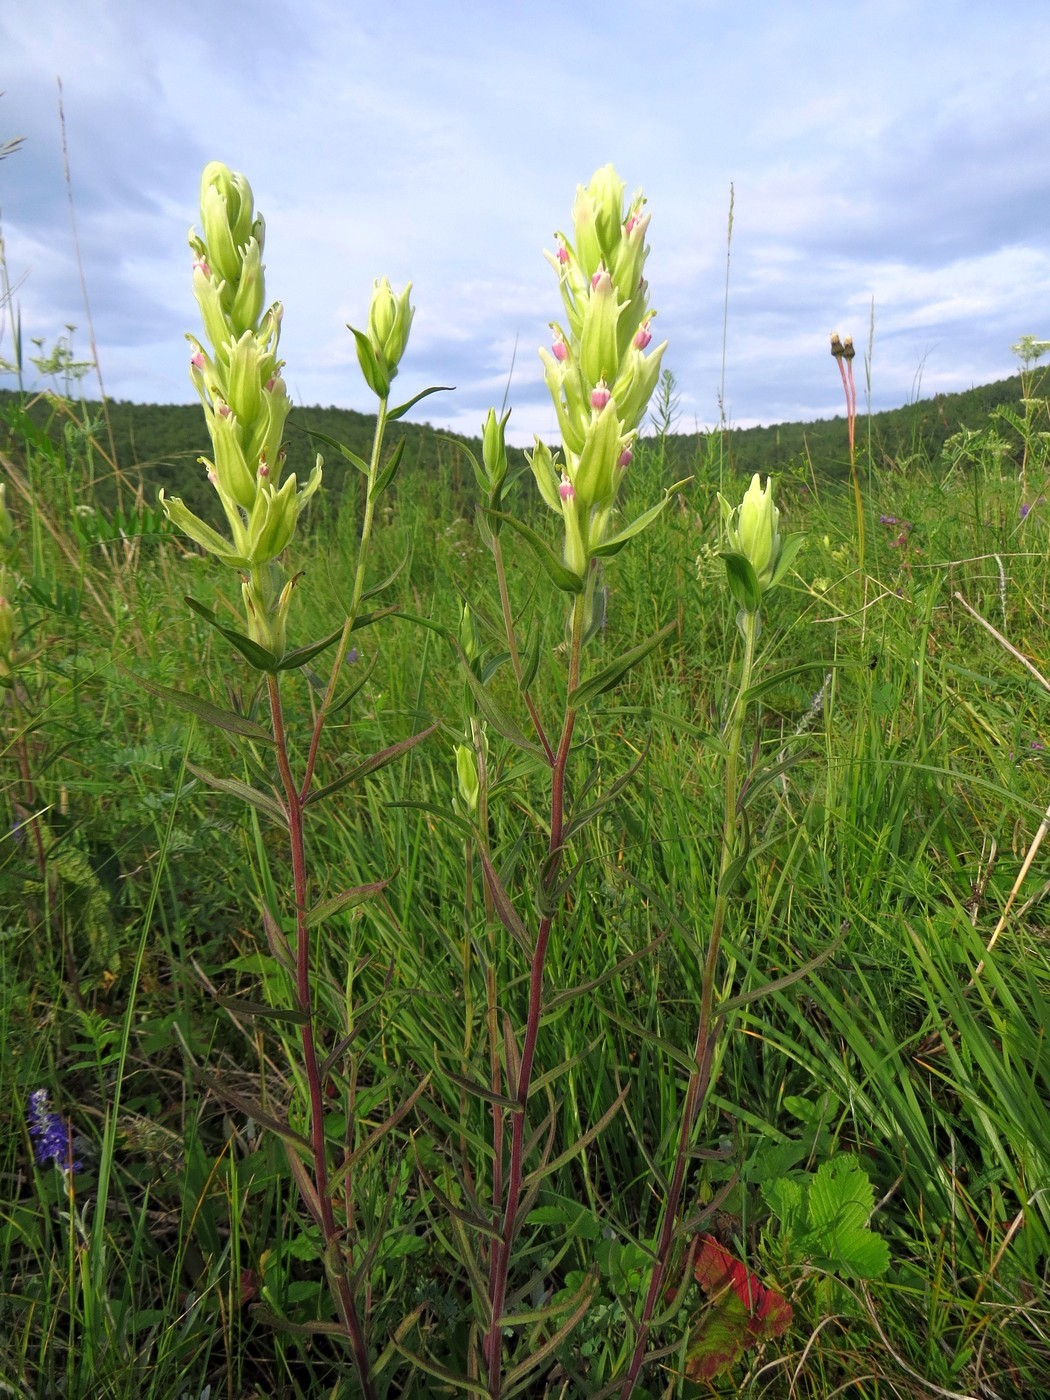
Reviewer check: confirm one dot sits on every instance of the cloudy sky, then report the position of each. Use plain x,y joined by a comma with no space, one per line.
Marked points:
891,151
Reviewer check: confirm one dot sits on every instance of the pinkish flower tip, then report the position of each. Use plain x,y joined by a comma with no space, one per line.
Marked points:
642,336
559,349
224,410
202,264
566,490
197,360
600,396
563,253
625,458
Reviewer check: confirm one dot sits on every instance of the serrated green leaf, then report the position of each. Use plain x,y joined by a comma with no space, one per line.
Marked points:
236,788
611,674
393,414
229,720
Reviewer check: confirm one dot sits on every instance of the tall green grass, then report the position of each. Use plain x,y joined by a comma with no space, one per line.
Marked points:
886,834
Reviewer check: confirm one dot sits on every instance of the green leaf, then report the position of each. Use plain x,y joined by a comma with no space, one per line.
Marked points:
393,414
607,678
493,710
531,661
299,656
284,1014
743,581
386,476
789,547
229,720
378,588
372,764
616,542
252,652
560,575
236,788
346,899
377,378
341,448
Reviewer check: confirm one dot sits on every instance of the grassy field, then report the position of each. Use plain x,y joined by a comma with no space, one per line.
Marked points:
585,964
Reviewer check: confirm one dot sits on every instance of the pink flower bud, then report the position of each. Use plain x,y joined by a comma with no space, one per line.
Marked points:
632,219
596,277
642,336
270,383
563,253
197,360
264,470
213,478
202,265
625,458
600,396
224,410
559,349
566,490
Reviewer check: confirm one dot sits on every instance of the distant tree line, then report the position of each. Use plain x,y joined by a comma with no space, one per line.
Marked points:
158,445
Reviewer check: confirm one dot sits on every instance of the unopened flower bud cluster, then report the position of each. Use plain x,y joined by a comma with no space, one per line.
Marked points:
238,378
600,369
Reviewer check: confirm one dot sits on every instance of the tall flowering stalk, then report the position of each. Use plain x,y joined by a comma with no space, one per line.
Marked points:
601,372
238,377
245,401
757,558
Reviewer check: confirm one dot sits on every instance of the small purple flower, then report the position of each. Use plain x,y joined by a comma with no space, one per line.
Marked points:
888,520
1025,508
625,458
51,1134
351,656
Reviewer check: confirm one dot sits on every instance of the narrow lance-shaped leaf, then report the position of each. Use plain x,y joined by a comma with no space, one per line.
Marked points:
252,652
617,669
387,474
560,575
346,899
616,542
236,788
371,764
229,720
341,448
393,414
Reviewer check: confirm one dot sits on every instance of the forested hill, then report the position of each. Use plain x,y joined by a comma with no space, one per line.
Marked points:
159,443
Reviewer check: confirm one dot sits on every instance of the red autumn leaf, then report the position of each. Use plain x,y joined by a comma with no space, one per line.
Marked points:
742,1312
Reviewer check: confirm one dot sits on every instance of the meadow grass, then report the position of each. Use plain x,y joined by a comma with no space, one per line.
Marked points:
895,778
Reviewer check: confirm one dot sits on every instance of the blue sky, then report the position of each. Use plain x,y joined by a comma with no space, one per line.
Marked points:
889,151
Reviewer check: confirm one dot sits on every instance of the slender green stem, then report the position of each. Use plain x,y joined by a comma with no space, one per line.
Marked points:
355,600
700,1076
512,647
333,1236
503,1247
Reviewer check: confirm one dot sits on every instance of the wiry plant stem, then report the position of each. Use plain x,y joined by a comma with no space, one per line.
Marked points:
332,1235
700,1076
502,1248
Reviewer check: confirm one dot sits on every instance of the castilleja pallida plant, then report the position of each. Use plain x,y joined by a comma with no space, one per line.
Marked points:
245,403
601,371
